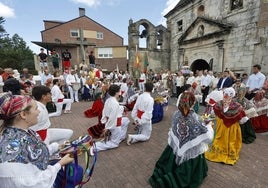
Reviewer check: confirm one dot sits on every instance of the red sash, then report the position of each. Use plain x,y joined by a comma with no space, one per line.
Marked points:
42,134
140,80
139,114
119,121
60,100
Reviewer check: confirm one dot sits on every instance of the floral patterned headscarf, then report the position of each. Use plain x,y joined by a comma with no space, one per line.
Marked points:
186,102
11,105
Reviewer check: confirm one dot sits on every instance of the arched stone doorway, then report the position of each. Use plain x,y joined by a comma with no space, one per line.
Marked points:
199,64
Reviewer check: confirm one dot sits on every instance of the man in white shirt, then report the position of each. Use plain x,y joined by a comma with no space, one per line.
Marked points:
142,81
142,114
55,136
191,78
115,123
73,83
1,84
179,83
164,77
205,83
59,100
255,82
124,90
45,77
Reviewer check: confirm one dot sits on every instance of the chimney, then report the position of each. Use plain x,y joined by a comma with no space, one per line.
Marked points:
82,12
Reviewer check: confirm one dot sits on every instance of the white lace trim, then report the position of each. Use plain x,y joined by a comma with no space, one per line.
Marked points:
190,150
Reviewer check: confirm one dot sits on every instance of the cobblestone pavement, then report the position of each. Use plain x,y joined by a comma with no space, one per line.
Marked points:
131,166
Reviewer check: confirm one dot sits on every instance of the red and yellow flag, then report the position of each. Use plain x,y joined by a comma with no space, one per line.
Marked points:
137,61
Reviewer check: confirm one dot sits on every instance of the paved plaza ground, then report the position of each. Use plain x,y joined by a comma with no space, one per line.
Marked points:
131,166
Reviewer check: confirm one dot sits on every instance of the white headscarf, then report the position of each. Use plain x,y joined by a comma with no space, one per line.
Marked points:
229,91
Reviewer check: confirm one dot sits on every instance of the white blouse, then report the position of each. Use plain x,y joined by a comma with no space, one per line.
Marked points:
19,175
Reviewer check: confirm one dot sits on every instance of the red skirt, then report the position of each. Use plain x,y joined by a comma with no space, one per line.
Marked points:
260,123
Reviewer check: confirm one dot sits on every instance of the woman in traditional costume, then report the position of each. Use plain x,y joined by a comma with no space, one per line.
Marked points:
24,157
182,163
96,111
260,123
227,143
247,130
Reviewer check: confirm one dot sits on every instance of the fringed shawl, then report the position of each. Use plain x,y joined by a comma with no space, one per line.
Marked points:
188,136
234,113
19,146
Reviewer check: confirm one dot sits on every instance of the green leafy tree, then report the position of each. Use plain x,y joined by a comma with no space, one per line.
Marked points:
15,53
2,21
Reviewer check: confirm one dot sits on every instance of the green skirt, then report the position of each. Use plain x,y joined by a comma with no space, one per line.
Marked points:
248,132
167,174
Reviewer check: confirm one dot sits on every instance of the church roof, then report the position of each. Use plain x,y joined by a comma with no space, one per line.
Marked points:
181,4
217,28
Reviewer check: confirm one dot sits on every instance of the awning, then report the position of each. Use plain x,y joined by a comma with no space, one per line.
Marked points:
50,45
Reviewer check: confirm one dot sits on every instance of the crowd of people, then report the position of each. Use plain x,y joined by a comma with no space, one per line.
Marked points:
237,111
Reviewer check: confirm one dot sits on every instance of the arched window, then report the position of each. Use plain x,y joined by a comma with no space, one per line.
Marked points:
201,10
236,4
143,36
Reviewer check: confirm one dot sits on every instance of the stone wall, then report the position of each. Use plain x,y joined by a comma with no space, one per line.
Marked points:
244,46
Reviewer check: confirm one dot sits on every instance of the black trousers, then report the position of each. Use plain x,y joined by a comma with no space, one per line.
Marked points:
205,94
250,96
179,90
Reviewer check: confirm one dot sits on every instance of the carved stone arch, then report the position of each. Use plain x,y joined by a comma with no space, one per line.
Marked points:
199,64
200,61
135,34
157,58
162,34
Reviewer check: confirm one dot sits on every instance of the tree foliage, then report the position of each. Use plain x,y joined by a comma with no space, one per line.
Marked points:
2,21
14,52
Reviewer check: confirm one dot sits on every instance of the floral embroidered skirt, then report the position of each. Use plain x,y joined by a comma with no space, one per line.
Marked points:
227,143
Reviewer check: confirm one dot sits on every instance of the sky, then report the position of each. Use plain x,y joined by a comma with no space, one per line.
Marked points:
25,17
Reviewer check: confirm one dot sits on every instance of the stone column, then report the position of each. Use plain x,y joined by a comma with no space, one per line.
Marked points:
220,56
181,52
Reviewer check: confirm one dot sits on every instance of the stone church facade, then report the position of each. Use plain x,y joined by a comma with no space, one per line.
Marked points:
215,35
205,34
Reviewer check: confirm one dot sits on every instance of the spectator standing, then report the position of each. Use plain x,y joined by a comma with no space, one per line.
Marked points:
255,82
190,79
245,78
43,59
225,81
92,59
205,84
74,85
142,81
66,56
55,60
179,83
